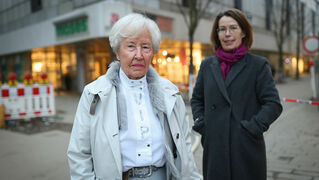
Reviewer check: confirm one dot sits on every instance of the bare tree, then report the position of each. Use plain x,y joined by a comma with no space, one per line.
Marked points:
279,20
298,31
300,28
192,11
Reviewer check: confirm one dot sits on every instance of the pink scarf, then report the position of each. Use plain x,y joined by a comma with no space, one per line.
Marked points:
227,60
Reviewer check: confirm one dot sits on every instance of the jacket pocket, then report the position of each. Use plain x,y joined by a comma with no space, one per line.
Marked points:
251,129
199,125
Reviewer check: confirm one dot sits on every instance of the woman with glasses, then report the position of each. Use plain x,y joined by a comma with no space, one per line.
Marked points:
234,102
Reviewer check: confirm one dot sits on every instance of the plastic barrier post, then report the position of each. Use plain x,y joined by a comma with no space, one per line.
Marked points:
21,106
13,106
28,101
50,90
36,100
5,93
2,122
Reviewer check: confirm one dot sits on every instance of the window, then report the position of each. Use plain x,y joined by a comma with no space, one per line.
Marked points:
36,5
268,14
238,4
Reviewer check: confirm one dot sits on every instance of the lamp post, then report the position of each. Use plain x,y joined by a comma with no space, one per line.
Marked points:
316,73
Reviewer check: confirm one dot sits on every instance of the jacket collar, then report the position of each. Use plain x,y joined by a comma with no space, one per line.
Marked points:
235,70
104,83
215,69
161,90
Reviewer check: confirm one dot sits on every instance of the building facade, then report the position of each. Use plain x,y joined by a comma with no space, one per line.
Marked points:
68,39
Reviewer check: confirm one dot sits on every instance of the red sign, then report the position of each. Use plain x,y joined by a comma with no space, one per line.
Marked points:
164,23
310,44
114,17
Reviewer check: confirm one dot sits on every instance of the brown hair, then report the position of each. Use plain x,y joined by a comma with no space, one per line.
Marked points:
242,22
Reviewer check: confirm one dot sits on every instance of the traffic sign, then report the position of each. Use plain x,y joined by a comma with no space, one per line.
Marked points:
310,44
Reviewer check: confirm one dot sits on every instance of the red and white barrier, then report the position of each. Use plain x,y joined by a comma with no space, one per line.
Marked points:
182,87
24,102
300,101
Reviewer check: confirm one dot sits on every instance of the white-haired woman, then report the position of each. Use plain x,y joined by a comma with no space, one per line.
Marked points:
130,123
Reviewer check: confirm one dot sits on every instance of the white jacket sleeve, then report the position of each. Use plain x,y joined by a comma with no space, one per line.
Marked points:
193,171
79,150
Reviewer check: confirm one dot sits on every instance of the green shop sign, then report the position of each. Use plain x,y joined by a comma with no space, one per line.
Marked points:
71,27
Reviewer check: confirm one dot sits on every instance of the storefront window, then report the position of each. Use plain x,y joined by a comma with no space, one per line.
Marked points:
68,69
13,64
289,64
59,63
39,64
98,57
172,61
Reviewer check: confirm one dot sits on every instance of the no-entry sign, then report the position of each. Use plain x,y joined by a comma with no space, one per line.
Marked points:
310,44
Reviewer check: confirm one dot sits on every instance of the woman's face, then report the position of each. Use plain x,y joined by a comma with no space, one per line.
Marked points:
135,55
230,34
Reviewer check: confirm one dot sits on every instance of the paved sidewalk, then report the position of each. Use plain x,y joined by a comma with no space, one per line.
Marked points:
66,106
292,142
33,157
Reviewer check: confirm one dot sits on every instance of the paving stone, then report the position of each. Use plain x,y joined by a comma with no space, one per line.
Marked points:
294,176
305,172
278,168
270,174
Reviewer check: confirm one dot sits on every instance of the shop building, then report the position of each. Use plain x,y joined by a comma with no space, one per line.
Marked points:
68,39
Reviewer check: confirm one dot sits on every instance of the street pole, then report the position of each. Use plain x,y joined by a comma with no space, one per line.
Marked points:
316,73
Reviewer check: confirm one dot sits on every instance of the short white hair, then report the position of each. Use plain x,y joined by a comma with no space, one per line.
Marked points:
132,25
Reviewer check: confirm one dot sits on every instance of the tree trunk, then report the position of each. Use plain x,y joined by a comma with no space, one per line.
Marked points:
281,38
297,59
298,40
191,66
281,65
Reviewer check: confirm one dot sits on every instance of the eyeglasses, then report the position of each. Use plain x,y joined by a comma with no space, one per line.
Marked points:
232,29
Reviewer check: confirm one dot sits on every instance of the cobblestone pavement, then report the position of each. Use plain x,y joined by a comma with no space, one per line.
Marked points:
292,142
37,149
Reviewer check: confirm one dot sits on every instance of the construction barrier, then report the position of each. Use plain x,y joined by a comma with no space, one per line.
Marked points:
182,87
27,101
2,123
300,101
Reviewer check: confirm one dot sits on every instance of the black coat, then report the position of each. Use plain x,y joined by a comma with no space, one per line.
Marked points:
236,112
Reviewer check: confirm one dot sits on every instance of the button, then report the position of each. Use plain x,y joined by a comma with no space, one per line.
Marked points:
148,145
141,88
177,135
213,107
139,154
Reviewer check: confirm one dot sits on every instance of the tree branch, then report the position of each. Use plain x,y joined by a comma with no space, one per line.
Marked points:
181,10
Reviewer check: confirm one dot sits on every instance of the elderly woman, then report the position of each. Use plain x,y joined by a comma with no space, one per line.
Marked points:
130,123
234,102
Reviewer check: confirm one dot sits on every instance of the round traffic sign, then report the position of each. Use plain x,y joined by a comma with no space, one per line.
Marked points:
310,44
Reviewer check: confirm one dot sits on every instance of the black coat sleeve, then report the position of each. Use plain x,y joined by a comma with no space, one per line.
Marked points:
268,98
198,101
